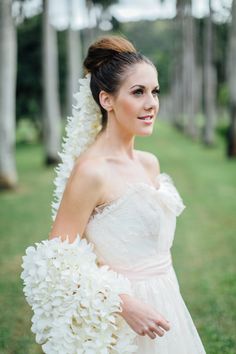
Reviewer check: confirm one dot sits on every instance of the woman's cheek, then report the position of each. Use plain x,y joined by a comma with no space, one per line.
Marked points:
128,108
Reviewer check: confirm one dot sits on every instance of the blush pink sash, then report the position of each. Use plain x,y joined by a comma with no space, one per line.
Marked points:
150,267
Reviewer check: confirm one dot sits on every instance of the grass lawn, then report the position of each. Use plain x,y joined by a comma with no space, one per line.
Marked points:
203,250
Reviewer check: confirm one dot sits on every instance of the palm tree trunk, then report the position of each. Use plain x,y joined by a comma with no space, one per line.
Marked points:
231,146
74,64
209,82
8,49
190,81
177,82
186,85
52,116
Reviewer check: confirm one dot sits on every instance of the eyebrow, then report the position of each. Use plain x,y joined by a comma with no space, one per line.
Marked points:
143,87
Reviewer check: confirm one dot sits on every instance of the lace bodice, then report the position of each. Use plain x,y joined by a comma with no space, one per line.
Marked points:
138,225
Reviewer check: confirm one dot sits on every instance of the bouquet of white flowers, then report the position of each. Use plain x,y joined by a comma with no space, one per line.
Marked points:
75,303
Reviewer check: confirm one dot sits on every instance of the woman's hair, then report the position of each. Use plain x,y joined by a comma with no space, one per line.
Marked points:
108,60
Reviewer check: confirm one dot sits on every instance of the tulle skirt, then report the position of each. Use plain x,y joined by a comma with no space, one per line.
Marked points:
162,292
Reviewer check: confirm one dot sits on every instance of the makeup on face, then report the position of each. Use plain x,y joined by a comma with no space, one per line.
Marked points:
139,90
137,103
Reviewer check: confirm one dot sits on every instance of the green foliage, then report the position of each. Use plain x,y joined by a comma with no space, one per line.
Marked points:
26,132
29,73
221,33
223,95
104,3
62,68
155,40
203,249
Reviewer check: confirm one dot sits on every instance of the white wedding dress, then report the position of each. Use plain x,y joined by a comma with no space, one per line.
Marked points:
133,235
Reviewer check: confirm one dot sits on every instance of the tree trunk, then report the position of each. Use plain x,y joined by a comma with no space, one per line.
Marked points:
185,88
90,33
209,83
177,82
74,65
177,96
52,116
8,49
190,80
231,146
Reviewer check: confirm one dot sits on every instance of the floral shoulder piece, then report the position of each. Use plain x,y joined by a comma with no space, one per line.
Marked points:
75,303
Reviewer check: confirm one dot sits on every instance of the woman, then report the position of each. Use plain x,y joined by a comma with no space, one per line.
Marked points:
115,197
118,200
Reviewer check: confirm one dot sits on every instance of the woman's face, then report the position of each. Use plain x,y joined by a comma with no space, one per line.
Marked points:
136,104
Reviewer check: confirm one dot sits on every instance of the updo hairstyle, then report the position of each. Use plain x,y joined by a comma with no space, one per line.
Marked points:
108,60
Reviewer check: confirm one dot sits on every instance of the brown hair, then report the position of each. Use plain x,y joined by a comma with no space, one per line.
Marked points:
108,60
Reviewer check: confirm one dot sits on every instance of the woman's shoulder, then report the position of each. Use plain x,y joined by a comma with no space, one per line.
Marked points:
150,161
90,167
97,169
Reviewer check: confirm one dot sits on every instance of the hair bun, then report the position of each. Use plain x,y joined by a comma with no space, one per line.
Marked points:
104,49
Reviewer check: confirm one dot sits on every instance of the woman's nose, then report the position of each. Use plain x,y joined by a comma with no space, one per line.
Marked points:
151,102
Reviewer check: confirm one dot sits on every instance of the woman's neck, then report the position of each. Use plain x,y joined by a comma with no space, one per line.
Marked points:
116,143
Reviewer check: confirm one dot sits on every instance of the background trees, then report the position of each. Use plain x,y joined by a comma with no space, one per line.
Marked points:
51,115
190,53
205,177
8,47
209,82
232,84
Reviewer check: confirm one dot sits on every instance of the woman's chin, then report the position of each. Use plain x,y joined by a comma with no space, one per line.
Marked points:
145,132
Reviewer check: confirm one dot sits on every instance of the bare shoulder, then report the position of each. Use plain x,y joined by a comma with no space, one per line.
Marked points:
150,162
88,177
89,171
84,190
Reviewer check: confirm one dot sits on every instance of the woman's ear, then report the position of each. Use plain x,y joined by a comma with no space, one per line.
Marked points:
106,100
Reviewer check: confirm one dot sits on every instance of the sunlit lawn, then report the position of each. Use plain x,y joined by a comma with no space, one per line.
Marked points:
203,250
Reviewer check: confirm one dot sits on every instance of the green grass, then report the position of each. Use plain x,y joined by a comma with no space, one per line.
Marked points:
203,249
25,218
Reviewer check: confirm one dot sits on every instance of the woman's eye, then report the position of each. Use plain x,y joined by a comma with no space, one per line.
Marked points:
138,92
156,92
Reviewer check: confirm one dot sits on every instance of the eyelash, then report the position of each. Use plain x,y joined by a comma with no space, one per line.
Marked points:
138,91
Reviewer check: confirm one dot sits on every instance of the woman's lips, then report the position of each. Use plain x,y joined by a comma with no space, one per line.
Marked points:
146,119
143,117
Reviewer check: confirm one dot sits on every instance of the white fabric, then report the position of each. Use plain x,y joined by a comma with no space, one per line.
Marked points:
81,131
133,235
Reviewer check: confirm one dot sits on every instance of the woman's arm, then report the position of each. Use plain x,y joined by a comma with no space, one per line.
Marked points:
84,190
143,318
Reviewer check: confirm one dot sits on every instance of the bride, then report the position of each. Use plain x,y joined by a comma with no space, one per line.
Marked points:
115,197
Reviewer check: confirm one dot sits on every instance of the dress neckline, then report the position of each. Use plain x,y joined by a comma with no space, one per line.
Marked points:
132,187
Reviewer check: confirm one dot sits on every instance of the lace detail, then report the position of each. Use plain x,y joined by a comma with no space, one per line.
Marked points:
165,186
174,201
105,208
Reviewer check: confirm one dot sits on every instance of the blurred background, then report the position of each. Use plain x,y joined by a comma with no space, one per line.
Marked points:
193,45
